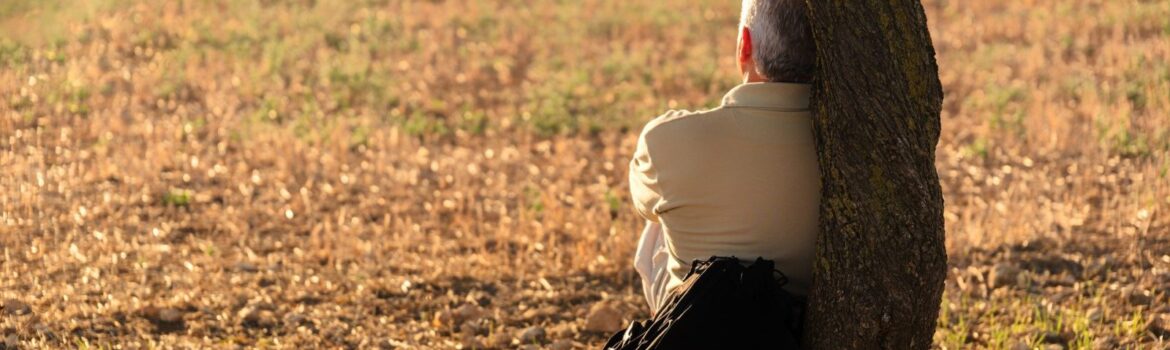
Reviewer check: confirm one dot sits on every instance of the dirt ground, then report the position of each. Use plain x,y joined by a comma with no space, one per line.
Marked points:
452,174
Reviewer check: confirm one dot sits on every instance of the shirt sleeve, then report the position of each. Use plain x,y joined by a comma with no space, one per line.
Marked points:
644,189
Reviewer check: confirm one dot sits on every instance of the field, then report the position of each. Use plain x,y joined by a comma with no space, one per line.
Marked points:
451,174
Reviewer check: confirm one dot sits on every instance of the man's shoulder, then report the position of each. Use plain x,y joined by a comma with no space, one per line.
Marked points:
677,122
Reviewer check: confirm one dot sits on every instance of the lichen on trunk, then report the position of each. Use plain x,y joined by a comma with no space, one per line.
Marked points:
881,258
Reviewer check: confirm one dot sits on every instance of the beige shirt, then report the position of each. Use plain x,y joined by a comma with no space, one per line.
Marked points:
739,180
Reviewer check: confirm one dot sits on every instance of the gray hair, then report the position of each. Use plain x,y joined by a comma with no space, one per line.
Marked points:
782,42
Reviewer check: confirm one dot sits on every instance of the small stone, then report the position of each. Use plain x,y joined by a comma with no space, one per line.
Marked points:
1105,343
1002,275
16,308
308,298
391,344
563,344
501,338
43,329
1062,294
170,315
471,341
564,330
443,319
1063,280
165,319
258,318
1053,347
1054,338
975,274
247,267
386,293
603,318
469,327
1025,280
979,291
1021,346
162,316
537,313
532,335
1094,314
1139,297
1159,326
296,319
1099,268
10,342
467,312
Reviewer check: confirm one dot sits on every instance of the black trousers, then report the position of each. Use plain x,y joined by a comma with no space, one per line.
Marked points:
722,305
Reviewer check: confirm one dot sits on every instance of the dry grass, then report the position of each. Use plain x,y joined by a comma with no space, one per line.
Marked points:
293,174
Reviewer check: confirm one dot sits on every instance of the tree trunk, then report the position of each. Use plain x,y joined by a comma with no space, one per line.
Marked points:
881,259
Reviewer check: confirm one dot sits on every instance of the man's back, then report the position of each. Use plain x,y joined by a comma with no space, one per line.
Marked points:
740,180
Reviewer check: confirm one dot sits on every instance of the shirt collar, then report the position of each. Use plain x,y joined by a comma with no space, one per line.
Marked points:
769,95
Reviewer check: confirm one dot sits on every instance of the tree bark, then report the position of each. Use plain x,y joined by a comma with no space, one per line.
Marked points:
881,259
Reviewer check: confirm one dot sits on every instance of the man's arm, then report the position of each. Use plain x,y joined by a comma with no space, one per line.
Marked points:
644,189
650,258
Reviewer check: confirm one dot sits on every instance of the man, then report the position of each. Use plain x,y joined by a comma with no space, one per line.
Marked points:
740,180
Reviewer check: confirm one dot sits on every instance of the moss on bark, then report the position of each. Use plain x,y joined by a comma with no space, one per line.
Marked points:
881,259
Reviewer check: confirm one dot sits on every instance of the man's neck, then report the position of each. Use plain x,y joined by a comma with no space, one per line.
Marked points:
751,76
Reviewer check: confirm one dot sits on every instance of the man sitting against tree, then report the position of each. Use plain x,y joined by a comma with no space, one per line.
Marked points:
740,180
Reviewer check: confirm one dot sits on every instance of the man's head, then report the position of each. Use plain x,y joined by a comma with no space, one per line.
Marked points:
775,42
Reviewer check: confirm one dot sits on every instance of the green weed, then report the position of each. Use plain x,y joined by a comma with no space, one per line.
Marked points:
177,197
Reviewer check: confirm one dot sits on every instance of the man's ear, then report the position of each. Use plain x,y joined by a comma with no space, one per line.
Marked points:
745,45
